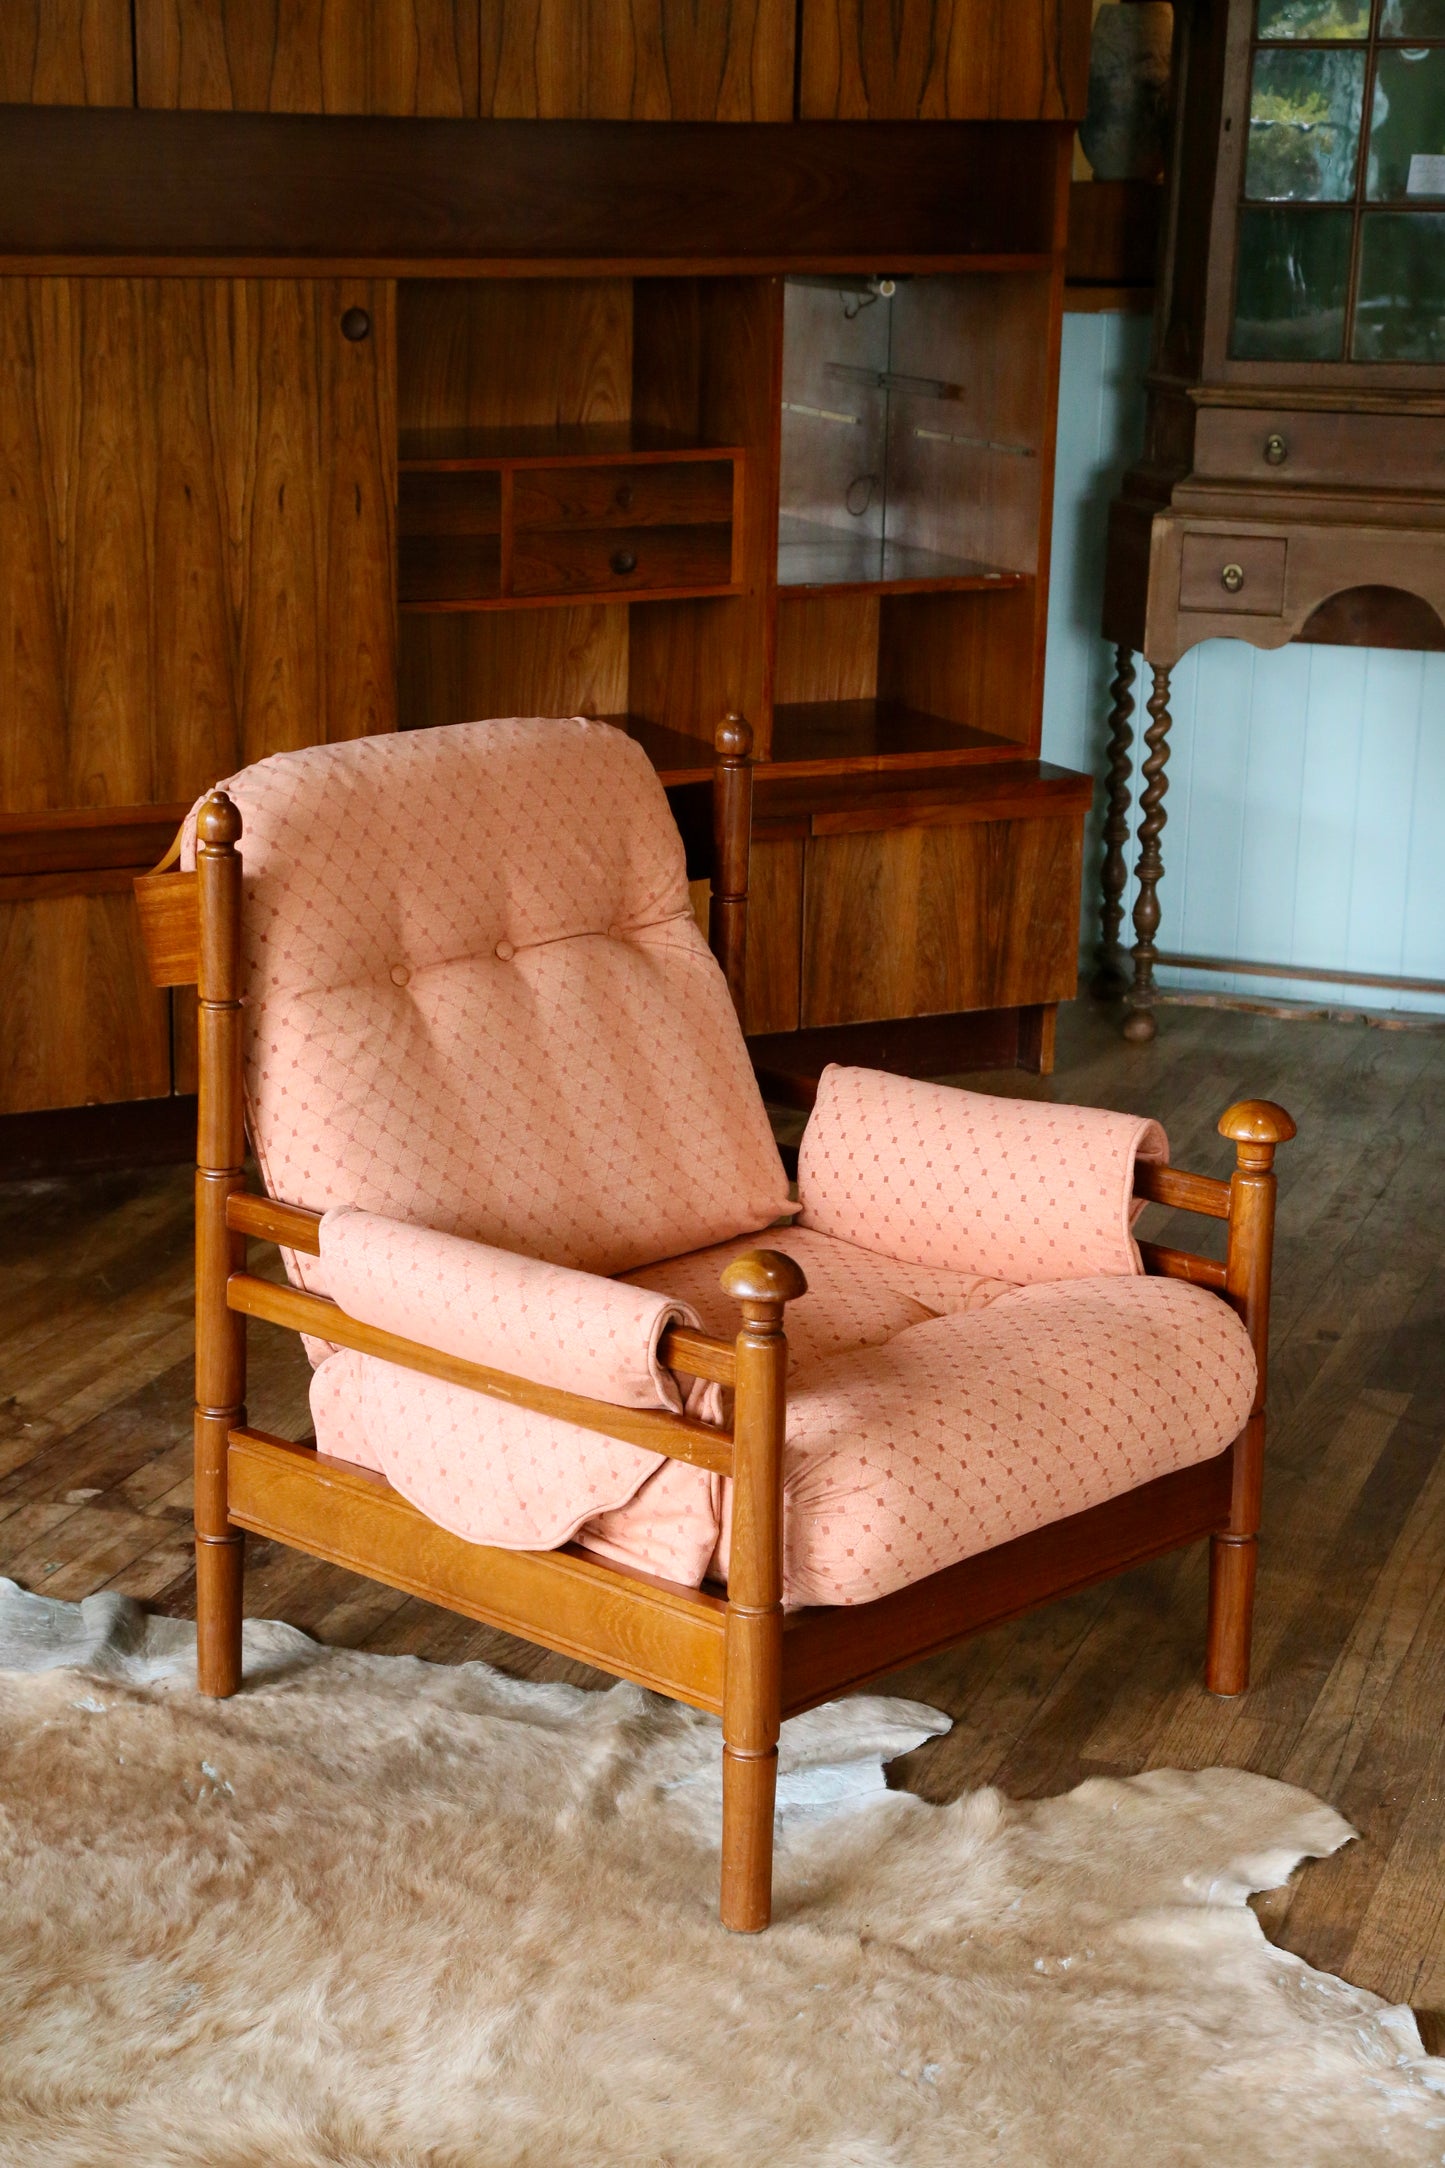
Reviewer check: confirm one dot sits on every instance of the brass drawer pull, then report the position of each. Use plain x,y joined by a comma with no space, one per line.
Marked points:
1232,578
1276,451
623,561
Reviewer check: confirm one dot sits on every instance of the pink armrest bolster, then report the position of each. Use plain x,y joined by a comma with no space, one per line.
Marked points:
547,1323
1017,1189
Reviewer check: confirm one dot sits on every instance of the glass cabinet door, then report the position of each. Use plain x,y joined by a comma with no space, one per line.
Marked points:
1341,243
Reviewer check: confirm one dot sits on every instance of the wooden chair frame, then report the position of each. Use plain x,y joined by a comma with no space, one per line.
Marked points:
737,1655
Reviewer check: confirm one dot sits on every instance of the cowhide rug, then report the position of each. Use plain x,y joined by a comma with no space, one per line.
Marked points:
375,1911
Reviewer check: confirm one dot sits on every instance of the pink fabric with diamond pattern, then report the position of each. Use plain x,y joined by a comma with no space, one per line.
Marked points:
477,1000
1016,1189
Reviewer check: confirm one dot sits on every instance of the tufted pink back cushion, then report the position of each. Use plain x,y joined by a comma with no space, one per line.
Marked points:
477,999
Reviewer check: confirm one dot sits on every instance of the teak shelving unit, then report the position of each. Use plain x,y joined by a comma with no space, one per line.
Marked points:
546,381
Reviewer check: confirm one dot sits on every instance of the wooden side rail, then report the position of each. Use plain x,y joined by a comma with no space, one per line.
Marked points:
294,1227
1169,1264
676,1436
1185,1192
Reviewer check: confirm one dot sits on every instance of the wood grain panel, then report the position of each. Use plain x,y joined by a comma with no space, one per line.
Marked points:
82,1022
827,649
513,354
708,363
569,661
65,52
916,922
944,60
974,658
308,56
196,531
638,60
772,1000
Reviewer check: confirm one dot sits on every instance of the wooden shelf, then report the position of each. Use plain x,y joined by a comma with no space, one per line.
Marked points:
457,451
676,757
824,560
866,736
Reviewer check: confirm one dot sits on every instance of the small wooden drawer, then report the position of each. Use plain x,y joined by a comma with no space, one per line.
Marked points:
1233,572
620,560
1354,451
688,494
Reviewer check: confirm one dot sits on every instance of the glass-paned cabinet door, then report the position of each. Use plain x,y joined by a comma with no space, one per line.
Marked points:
1341,243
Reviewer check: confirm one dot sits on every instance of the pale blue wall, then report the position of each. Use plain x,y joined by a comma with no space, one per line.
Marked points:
1306,787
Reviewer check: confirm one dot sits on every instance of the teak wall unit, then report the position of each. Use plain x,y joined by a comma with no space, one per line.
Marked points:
526,398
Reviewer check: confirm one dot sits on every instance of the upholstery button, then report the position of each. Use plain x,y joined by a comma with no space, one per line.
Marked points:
400,976
505,951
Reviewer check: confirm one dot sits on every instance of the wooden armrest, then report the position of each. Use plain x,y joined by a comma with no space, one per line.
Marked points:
656,1431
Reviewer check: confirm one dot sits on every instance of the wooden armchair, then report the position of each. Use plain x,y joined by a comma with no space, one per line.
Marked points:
734,1649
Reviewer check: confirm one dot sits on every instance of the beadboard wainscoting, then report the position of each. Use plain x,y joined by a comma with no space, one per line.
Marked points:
1306,796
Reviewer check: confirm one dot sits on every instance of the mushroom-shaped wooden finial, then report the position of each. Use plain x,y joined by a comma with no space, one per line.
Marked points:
733,738
1256,1121
218,821
764,1276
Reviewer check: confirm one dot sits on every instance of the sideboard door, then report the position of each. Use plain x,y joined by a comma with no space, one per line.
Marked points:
197,514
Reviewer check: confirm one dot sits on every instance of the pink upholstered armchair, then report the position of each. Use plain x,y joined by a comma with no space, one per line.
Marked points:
582,1369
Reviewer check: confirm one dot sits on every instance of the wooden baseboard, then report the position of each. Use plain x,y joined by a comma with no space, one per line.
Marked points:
88,1140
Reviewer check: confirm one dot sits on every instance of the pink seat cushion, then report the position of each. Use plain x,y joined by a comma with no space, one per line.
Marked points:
477,1000
1017,1189
931,1415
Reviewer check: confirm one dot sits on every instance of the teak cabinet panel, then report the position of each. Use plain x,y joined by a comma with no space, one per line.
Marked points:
638,60
944,60
82,1022
308,56
65,52
196,531
923,921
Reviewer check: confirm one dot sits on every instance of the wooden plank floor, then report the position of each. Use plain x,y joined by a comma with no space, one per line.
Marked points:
1349,1694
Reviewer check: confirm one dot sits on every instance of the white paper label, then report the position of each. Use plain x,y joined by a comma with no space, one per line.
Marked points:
1427,174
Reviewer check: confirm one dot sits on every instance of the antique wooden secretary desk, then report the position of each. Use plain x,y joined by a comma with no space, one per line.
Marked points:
424,360
1293,481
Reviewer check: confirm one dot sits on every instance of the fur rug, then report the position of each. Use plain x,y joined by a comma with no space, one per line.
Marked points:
374,1913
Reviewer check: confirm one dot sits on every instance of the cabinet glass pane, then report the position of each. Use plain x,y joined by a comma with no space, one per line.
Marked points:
1413,19
1294,270
1407,124
1304,125
1400,305
1314,18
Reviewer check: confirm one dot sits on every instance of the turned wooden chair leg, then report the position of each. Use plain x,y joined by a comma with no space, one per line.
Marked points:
220,1169
1257,1127
762,1283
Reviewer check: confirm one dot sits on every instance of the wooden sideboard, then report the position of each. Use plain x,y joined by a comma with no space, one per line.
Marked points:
1293,480
444,361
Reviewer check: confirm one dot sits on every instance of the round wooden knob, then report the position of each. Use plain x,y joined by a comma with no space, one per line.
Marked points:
1232,577
1256,1121
764,1276
1276,451
218,820
356,325
623,561
733,738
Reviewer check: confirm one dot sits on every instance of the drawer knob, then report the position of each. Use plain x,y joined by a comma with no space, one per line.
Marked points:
622,495
623,561
1276,451
355,325
1232,578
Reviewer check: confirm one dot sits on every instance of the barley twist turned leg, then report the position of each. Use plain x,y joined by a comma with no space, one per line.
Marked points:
1114,872
1139,1025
